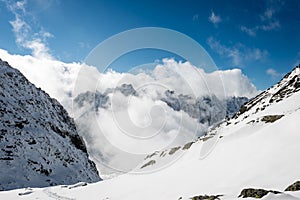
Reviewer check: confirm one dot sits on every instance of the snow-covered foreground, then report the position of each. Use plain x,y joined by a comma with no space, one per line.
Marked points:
256,149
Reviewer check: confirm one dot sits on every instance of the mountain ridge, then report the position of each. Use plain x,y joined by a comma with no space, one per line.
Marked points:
39,142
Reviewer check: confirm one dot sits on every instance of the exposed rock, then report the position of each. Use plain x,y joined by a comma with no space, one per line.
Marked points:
233,104
173,150
206,197
255,193
294,187
187,145
151,155
151,162
125,89
271,118
207,109
39,142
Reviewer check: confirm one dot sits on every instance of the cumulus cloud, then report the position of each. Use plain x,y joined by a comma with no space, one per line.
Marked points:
129,120
134,127
129,127
36,42
214,19
59,78
238,54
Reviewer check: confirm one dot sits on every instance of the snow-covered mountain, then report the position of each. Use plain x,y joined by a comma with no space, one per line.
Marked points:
207,109
39,142
252,155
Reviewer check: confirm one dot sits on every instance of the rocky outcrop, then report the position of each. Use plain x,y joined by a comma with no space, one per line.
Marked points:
207,197
255,193
294,187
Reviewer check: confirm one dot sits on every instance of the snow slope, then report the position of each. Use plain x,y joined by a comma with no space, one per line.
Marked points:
257,148
39,142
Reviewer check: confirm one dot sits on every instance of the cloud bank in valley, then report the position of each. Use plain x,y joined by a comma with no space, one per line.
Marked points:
151,124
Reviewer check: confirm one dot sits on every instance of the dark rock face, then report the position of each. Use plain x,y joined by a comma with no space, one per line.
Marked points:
95,100
151,162
255,193
271,118
207,109
294,187
291,86
39,142
125,89
234,104
206,197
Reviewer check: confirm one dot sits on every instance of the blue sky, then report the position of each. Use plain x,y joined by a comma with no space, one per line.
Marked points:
260,37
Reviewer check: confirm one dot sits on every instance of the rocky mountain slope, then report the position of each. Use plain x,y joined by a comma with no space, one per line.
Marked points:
253,155
206,109
38,140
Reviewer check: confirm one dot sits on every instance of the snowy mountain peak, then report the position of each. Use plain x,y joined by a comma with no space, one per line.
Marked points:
39,142
285,88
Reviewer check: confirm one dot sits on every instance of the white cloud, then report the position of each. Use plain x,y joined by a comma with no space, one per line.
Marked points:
58,78
215,19
268,21
273,73
238,54
249,31
146,110
21,5
38,47
222,50
268,14
25,37
273,25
